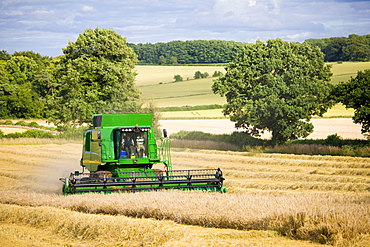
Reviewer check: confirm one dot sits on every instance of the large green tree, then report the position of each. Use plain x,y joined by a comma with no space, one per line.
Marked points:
95,76
18,98
276,86
355,94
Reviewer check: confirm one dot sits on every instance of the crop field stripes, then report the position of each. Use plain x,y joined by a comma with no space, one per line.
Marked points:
284,198
270,172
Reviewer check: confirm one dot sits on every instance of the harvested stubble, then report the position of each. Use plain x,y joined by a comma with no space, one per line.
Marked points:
284,172
320,217
301,196
49,226
102,230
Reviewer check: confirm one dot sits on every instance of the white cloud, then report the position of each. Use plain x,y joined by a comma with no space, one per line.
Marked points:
299,36
43,14
86,8
14,13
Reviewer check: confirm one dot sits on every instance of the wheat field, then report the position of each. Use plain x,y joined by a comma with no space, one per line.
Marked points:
273,200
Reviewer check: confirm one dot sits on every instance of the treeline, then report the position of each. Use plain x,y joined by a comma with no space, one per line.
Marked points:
188,52
353,48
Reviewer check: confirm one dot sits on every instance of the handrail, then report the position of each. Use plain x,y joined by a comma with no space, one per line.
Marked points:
165,154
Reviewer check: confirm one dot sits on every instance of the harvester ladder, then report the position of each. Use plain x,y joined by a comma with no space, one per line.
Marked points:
165,154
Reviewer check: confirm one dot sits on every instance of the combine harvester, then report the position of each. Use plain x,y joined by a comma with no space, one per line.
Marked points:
119,152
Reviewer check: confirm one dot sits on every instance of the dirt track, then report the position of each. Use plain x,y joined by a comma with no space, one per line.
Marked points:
344,127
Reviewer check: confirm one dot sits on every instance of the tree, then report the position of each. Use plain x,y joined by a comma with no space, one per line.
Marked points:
162,60
18,99
95,76
217,74
197,75
178,78
355,93
277,86
173,60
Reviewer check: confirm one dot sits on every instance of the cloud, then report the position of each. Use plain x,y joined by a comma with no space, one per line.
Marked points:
86,8
14,13
43,14
56,22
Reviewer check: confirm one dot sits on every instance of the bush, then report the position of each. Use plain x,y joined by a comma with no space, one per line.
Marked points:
217,74
37,134
8,122
334,140
14,135
177,78
32,133
34,125
21,123
197,75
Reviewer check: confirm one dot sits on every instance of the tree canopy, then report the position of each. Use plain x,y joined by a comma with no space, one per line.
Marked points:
276,86
19,84
94,76
355,94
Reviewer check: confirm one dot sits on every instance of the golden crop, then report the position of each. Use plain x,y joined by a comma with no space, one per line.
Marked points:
324,199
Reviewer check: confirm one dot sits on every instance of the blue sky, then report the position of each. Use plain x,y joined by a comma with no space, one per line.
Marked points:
46,26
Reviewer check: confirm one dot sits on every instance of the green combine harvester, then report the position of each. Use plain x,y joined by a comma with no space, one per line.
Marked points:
120,154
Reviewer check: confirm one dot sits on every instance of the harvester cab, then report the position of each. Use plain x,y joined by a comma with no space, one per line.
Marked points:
121,154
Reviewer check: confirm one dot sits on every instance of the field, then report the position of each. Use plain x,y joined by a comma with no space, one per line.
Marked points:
336,111
273,200
156,84
323,127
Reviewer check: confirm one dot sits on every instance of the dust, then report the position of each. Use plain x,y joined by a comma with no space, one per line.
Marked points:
66,160
39,167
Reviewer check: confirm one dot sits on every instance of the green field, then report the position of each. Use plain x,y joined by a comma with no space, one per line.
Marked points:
342,72
153,75
157,84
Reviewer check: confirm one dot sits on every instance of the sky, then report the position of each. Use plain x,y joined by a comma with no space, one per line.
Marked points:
46,26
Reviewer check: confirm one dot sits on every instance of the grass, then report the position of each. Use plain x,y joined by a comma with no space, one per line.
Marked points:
342,72
274,200
198,114
193,92
153,75
198,92
339,110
